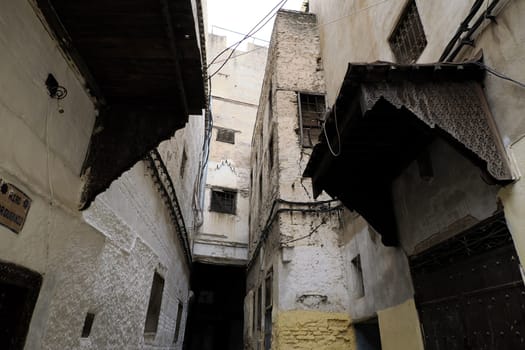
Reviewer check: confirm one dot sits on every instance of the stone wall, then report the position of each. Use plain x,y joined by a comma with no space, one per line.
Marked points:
313,330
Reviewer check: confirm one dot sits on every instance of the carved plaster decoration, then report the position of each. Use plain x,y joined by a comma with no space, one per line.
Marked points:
459,108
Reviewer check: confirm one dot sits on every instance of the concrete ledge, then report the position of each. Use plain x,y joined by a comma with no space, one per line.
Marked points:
220,252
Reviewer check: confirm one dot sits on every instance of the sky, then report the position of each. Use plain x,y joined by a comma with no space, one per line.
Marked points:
242,15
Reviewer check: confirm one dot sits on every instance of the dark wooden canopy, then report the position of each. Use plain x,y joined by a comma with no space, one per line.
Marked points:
385,116
142,62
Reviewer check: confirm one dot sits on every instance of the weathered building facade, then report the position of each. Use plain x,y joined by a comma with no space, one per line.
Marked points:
235,90
220,244
426,151
81,108
296,287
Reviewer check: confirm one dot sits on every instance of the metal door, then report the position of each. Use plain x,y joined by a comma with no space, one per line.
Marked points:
470,292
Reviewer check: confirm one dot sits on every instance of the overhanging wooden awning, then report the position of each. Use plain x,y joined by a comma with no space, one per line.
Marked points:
386,114
142,62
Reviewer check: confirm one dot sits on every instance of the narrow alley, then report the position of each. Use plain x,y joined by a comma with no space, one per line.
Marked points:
262,175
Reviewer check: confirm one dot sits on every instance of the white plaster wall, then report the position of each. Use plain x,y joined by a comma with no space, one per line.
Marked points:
189,139
358,31
39,146
386,274
311,275
104,265
140,239
453,200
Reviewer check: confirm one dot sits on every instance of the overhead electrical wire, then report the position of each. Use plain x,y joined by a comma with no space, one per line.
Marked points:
500,75
267,18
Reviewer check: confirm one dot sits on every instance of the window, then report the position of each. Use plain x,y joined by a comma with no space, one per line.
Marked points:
254,312
357,269
223,201
270,153
183,163
259,306
88,324
226,135
179,319
268,290
311,112
268,284
260,189
155,301
408,38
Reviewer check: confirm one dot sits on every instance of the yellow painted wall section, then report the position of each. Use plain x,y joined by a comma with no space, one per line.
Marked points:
513,199
399,327
313,330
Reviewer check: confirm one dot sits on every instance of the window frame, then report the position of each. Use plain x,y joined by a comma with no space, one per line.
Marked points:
151,324
183,163
219,207
396,40
225,135
311,143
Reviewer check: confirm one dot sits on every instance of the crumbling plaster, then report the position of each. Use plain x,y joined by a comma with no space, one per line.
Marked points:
301,249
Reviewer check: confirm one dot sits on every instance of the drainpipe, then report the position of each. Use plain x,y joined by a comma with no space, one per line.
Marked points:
453,48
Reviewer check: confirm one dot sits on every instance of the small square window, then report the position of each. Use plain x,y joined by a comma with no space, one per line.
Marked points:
223,201
408,38
311,113
226,135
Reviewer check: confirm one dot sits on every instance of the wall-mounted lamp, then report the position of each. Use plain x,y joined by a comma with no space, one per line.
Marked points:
55,90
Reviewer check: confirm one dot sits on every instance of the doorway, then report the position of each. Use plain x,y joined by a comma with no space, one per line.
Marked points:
215,318
19,288
469,291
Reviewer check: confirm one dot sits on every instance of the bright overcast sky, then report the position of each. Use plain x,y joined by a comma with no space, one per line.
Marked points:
242,16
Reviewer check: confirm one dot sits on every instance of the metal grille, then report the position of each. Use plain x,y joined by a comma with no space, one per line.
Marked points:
311,112
408,38
223,201
485,236
469,291
226,135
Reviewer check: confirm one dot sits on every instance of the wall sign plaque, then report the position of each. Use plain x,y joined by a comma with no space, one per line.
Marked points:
14,206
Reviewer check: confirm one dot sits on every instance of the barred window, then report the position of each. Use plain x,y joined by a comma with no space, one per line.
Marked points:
226,135
223,201
311,112
408,38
